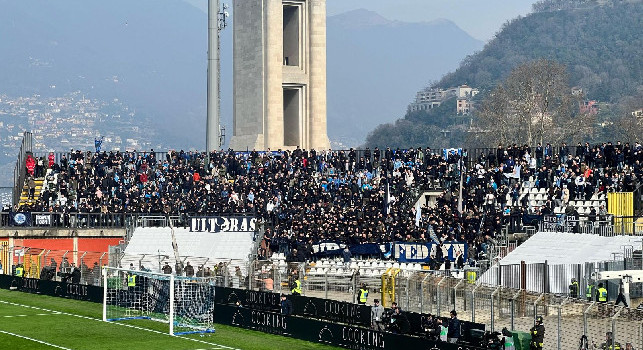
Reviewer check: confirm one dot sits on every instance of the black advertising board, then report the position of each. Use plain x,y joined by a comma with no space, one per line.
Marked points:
322,309
317,331
53,288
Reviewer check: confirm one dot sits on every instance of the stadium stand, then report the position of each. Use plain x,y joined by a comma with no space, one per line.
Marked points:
351,197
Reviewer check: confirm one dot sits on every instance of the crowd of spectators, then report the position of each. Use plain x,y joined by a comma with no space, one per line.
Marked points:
345,196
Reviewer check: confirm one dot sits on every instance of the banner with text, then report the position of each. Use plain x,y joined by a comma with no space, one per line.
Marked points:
223,224
424,252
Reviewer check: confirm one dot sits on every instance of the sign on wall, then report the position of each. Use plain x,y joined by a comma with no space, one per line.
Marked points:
223,224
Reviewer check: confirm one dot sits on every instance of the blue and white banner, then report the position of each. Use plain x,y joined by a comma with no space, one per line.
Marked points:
450,152
20,219
423,252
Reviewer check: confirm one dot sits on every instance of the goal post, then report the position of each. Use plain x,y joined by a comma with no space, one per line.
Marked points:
185,304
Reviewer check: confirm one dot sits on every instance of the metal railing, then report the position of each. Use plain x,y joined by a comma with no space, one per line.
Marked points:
20,169
55,265
608,227
439,292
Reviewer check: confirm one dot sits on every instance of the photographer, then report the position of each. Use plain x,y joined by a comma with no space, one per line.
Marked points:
430,327
399,323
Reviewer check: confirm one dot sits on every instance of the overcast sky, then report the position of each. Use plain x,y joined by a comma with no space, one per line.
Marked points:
480,18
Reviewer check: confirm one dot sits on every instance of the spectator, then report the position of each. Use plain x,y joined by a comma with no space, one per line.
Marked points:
286,305
377,314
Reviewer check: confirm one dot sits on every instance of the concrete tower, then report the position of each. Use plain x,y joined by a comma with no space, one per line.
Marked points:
279,74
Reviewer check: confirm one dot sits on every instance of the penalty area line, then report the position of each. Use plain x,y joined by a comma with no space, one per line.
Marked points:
34,340
120,324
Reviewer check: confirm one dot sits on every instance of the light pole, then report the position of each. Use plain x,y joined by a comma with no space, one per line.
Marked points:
217,21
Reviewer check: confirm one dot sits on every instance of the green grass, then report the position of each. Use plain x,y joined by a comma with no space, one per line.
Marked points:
30,321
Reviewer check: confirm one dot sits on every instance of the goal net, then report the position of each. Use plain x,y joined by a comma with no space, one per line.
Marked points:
186,304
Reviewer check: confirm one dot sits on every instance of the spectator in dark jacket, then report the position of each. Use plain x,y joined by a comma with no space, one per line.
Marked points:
454,328
286,305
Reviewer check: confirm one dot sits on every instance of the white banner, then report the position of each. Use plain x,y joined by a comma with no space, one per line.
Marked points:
43,219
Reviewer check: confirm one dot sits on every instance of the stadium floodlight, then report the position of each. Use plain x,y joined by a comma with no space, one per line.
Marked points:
186,304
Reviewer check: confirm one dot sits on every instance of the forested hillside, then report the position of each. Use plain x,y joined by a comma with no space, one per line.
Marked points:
600,46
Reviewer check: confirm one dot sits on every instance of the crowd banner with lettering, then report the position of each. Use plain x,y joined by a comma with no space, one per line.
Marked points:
43,219
332,248
20,219
223,224
53,288
423,252
317,331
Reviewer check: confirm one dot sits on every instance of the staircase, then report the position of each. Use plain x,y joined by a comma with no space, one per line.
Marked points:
24,195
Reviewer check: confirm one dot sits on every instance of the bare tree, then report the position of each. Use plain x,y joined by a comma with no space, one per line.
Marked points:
629,125
534,104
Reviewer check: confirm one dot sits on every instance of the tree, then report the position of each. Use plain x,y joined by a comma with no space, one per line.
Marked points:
629,125
533,104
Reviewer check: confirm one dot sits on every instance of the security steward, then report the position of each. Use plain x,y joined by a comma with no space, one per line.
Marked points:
296,288
601,297
537,335
573,289
609,340
589,291
20,271
363,295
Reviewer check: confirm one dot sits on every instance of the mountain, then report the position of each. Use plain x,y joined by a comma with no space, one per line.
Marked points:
376,65
600,45
599,42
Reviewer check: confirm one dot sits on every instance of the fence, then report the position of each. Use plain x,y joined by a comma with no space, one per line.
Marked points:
20,171
609,227
57,265
439,292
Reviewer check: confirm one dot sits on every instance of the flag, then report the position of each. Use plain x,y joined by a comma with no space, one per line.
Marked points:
432,234
461,168
418,215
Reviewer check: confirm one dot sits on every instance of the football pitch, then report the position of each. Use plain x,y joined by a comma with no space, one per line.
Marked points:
31,321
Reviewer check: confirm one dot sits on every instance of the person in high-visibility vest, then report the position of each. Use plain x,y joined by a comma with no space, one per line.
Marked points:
589,291
296,290
131,280
363,294
601,297
20,271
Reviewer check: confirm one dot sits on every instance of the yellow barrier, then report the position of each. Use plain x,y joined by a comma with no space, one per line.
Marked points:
388,286
5,257
621,205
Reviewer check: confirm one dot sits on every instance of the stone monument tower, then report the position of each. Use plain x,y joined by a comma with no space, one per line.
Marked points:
279,74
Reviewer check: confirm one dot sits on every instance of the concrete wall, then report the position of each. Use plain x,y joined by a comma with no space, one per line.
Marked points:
248,75
259,33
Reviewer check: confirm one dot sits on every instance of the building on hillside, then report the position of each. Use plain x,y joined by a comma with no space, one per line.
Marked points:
464,106
588,107
429,98
638,113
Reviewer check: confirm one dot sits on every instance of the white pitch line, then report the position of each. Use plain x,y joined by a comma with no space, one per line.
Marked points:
35,340
120,324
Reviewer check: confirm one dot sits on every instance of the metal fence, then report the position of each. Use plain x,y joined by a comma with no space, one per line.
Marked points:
608,227
51,264
439,292
20,170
